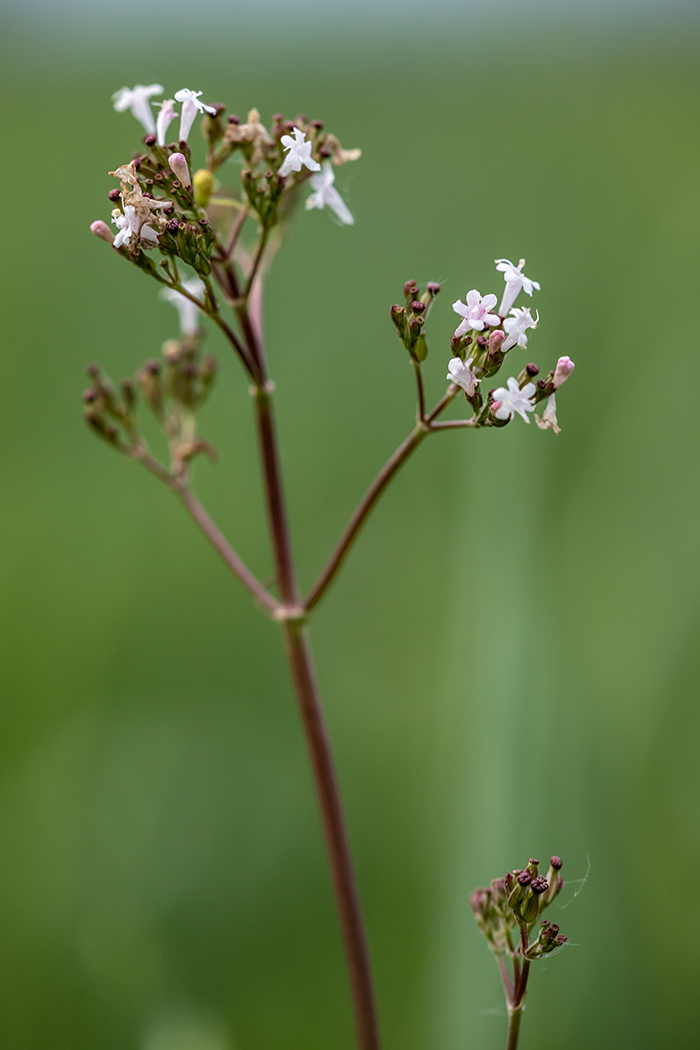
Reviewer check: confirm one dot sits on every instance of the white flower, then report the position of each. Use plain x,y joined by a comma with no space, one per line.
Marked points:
165,118
190,107
549,416
130,222
136,99
513,399
516,281
299,154
188,312
460,372
517,325
325,193
565,367
476,312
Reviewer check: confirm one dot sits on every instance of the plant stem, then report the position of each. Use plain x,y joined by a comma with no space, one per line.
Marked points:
299,656
516,1000
390,468
291,618
514,1018
212,533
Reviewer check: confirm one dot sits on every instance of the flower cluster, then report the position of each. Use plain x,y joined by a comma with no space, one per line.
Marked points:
160,204
515,903
173,388
479,346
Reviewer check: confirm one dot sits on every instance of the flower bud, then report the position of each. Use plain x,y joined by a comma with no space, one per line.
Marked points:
203,185
565,367
102,230
496,340
178,164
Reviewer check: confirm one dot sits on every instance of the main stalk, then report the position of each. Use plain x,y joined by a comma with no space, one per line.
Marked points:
292,617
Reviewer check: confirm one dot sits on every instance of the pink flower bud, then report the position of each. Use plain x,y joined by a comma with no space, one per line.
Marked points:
179,166
102,230
565,367
496,341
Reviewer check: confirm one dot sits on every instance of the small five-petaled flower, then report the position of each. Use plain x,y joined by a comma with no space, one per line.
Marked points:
325,193
516,325
512,399
476,312
299,154
516,281
136,99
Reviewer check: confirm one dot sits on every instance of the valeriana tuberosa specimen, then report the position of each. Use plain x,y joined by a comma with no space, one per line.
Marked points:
207,232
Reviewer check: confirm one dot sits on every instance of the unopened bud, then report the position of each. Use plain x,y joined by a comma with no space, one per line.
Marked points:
102,230
417,306
565,367
203,185
496,340
557,863
114,195
433,287
178,164
539,886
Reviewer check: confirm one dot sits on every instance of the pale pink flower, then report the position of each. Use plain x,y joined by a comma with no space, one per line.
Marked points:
512,399
131,224
516,281
164,120
298,155
136,99
325,193
460,372
476,313
516,325
191,105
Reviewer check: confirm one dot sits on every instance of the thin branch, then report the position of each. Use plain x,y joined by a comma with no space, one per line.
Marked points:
421,391
210,530
390,468
505,977
256,263
454,424
234,233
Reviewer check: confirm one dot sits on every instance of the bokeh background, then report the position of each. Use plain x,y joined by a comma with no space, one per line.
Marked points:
510,658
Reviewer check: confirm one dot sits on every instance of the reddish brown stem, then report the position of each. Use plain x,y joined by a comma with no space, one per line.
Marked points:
299,655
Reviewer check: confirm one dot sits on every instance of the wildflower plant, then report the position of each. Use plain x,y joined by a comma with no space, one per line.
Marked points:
207,233
507,912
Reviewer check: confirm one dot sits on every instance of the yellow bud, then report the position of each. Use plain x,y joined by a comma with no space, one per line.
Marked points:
203,184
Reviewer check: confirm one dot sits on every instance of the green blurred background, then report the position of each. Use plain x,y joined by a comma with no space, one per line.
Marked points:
510,658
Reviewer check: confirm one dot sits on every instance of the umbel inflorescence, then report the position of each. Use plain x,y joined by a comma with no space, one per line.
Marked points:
507,912
207,231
